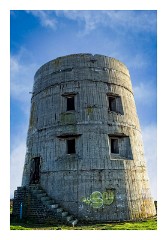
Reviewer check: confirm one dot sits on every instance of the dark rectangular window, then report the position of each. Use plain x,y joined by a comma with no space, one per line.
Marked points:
70,146
114,145
70,103
112,103
115,104
120,147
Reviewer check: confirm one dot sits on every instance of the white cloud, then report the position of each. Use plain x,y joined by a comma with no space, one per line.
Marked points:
138,61
45,17
90,20
16,166
21,75
14,65
17,159
144,93
149,134
21,80
138,20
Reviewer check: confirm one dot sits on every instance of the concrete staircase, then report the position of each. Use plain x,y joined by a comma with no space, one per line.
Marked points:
55,208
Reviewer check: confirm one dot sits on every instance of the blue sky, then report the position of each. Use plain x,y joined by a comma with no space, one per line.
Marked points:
40,36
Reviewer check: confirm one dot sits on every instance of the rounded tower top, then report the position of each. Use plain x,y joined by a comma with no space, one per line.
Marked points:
80,67
82,59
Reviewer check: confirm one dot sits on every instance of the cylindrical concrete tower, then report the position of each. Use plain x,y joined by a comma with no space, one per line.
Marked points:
84,143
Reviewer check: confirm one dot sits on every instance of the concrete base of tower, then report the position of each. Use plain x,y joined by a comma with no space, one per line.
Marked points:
110,213
35,204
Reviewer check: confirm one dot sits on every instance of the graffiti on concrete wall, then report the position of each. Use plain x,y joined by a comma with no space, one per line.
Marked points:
98,199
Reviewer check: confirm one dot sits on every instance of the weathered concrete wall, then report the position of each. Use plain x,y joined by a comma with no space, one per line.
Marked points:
93,183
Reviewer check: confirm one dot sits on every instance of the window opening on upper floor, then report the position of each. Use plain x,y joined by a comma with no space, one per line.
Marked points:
112,103
115,103
114,146
120,147
70,140
71,146
70,103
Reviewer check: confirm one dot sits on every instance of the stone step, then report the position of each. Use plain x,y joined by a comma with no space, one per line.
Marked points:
19,188
34,186
53,206
37,191
64,214
59,210
45,198
49,202
40,195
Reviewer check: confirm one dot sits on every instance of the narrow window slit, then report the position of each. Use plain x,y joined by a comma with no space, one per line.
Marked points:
112,103
70,146
70,103
114,146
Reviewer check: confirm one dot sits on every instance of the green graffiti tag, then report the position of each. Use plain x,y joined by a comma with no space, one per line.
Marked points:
98,199
108,197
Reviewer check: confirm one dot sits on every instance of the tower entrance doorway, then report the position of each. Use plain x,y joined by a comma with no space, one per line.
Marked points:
35,171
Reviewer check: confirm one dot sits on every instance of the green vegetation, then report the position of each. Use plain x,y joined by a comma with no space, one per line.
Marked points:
150,224
11,205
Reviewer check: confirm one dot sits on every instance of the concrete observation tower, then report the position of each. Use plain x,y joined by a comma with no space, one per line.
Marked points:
84,142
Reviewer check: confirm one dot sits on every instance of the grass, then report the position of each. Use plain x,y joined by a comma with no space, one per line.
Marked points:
11,206
150,224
